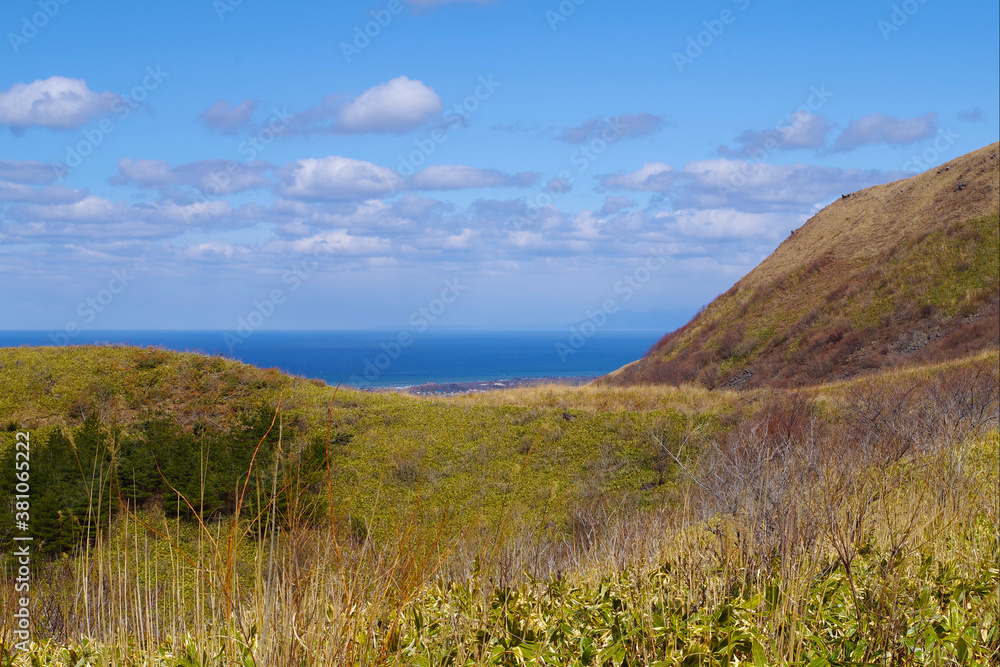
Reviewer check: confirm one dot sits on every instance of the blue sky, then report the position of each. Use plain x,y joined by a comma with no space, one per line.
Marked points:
187,164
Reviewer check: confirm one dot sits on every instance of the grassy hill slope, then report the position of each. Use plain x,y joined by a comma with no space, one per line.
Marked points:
905,272
554,461
848,523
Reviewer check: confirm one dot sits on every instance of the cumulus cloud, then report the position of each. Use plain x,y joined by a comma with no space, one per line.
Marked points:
881,129
36,173
336,178
392,107
722,183
224,118
413,205
767,187
651,176
57,102
516,214
211,251
92,209
341,242
99,230
803,130
613,205
729,223
458,177
87,237
89,209
623,126
20,192
213,177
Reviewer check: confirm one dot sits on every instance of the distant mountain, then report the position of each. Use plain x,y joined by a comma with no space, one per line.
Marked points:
898,273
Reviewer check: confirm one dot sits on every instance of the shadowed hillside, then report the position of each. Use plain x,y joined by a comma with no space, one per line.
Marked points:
901,273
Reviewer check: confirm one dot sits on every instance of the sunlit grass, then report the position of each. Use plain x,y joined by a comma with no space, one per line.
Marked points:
852,523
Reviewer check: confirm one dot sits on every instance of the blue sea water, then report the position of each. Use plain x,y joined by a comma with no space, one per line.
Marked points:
371,359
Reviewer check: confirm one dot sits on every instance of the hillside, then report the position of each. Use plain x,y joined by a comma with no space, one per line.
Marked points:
194,510
387,451
901,273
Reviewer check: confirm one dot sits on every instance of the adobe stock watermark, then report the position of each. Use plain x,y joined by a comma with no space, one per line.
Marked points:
365,34
899,16
818,97
218,181
223,7
931,155
95,304
32,25
714,28
562,13
263,309
22,540
456,116
420,320
582,159
597,319
122,108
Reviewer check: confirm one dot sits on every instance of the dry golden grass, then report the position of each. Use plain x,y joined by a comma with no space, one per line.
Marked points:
687,399
692,398
871,221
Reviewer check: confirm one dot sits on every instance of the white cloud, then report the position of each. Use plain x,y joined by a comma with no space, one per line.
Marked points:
90,208
467,239
337,178
614,205
457,177
526,242
652,176
619,127
36,173
804,130
93,209
340,242
57,102
762,186
213,177
20,192
199,212
881,129
753,187
224,118
144,173
728,223
212,250
392,107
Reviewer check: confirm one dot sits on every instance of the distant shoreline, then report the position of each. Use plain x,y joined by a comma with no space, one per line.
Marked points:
457,388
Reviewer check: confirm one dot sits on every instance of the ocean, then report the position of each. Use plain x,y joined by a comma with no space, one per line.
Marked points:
384,359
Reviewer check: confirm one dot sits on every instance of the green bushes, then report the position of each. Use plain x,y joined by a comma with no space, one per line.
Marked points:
70,487
80,477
